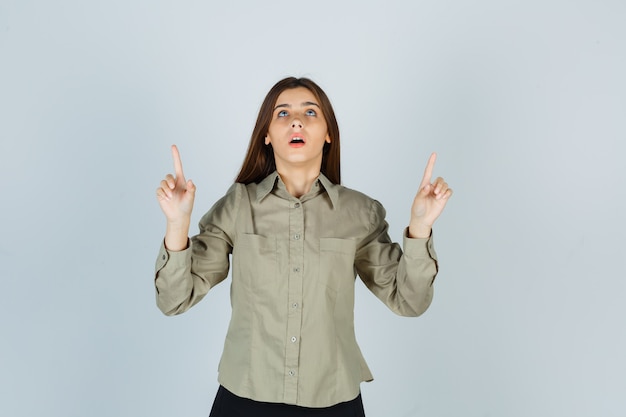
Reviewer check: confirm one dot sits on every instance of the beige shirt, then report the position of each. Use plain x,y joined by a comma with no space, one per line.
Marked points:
291,335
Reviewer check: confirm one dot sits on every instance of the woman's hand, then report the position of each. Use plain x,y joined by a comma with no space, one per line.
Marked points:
428,203
176,196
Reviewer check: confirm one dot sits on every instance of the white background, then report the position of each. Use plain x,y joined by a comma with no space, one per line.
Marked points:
525,102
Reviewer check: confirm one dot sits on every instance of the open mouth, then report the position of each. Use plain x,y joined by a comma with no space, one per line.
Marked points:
297,140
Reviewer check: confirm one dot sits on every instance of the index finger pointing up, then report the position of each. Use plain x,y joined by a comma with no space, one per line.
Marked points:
428,172
178,165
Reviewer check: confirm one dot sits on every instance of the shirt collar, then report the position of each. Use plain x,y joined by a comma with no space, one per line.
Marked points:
266,186
269,183
331,189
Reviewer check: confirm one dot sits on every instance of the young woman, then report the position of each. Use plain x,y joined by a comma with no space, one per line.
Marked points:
297,240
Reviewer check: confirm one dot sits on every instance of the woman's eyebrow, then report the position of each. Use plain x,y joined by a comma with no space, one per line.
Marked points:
304,104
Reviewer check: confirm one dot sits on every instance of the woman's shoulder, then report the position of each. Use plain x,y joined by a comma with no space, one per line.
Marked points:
350,195
227,206
232,195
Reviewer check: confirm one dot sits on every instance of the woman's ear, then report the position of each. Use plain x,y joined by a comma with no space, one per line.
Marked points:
327,138
267,140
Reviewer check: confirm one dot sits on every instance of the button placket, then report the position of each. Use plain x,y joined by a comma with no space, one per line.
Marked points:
294,320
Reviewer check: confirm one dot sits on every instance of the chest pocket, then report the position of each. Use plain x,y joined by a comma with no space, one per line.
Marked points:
255,261
337,263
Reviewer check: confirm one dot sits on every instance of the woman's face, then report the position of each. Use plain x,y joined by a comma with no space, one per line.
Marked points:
298,130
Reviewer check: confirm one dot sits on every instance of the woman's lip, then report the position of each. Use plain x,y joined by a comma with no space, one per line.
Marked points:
298,135
299,143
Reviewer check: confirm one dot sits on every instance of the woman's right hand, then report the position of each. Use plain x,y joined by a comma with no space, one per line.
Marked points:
176,196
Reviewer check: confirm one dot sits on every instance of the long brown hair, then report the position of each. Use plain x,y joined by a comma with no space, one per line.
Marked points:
259,161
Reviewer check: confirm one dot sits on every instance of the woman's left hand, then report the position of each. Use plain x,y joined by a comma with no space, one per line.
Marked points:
429,202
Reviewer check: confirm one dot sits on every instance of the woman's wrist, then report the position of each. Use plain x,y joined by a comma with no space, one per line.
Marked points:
177,235
419,231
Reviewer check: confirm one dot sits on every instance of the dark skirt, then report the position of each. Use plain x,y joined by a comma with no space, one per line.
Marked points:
228,404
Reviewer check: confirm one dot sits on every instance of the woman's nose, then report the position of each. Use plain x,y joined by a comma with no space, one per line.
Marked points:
296,123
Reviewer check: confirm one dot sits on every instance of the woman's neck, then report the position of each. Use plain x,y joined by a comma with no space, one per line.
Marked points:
298,182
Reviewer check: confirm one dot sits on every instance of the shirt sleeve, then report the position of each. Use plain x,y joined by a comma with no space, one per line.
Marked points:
401,280
184,277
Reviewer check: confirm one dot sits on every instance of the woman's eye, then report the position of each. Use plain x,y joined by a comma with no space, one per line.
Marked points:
282,113
311,112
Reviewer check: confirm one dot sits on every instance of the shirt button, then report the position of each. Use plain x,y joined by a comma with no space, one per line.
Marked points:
296,236
297,205
163,257
294,339
296,269
294,305
291,373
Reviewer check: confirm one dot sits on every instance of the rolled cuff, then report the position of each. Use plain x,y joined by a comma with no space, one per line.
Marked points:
418,248
173,260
